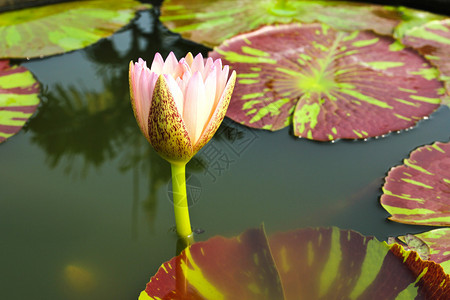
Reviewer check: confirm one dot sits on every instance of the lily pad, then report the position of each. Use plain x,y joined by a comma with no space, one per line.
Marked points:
58,28
418,192
18,98
329,84
211,22
438,242
321,263
221,268
433,41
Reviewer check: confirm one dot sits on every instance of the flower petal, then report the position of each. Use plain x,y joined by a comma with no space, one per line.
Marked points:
141,88
170,65
209,67
176,93
222,76
218,115
167,130
194,114
189,59
157,64
198,64
210,92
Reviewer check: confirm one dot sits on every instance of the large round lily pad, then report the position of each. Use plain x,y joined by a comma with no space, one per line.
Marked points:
58,28
418,192
328,84
433,41
211,22
322,263
18,98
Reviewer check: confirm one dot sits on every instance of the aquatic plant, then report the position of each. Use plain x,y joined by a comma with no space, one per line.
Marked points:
179,105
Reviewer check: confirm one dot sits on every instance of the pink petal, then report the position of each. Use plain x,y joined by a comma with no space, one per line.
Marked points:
170,64
198,64
195,115
176,93
217,115
222,77
209,65
210,92
157,64
144,99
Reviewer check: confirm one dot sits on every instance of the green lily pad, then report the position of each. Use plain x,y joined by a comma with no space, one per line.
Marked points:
418,192
59,28
18,98
321,263
328,84
433,41
438,243
211,22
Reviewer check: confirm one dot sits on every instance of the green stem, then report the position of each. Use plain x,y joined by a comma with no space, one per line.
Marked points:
180,203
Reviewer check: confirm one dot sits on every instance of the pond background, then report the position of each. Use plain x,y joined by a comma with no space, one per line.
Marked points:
81,187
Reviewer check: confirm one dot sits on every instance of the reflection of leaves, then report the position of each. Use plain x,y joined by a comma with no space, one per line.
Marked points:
78,122
328,84
322,263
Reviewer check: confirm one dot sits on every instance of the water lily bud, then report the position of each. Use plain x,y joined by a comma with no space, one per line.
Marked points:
179,105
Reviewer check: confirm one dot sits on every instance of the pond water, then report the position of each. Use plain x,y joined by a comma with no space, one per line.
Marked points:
85,206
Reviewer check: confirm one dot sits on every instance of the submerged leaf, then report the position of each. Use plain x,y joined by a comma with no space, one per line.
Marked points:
58,28
329,84
322,263
433,41
18,98
412,242
431,245
211,22
438,241
418,192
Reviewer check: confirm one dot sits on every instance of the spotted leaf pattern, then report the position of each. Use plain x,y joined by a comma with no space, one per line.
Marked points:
328,84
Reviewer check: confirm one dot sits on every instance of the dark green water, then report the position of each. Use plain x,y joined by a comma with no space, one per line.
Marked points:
80,186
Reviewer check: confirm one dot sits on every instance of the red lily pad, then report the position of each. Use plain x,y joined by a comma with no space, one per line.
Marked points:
211,22
418,192
328,84
438,243
323,263
219,269
18,98
433,41
58,28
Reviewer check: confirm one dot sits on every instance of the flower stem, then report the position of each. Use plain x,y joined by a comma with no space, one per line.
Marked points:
180,203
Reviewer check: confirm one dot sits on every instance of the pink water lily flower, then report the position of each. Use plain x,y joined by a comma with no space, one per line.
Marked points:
179,105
